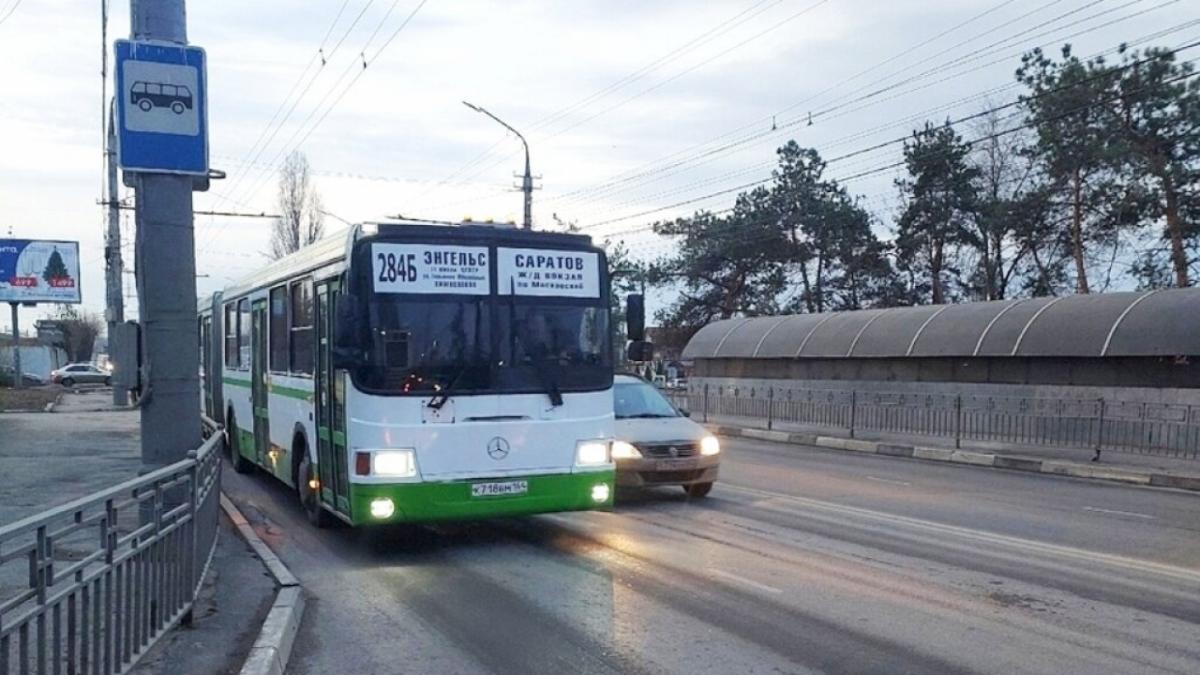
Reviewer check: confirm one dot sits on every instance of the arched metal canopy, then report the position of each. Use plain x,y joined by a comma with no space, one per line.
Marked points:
1152,323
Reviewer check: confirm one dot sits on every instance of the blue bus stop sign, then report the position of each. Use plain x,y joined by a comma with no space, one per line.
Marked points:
162,110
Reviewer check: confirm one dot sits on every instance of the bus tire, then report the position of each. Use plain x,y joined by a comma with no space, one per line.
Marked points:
233,438
698,490
310,500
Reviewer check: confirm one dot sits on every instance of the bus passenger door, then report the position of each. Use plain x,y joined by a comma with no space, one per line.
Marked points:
331,421
258,382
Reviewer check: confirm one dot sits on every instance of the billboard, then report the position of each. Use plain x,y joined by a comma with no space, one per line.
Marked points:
39,271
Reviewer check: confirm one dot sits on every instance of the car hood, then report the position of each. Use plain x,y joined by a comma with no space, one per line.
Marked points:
654,430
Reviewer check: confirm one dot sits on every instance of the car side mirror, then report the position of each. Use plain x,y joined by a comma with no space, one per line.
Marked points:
685,412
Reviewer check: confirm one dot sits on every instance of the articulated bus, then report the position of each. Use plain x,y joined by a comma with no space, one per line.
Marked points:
415,372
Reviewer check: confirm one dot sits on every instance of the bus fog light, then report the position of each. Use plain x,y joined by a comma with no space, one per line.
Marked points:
382,508
600,493
591,453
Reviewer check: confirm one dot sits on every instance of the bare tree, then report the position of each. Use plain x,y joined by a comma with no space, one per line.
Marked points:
302,221
79,330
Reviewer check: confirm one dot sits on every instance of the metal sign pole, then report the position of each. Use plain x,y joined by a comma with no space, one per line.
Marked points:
114,269
166,277
17,376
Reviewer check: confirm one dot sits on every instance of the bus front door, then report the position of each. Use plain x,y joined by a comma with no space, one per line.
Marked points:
331,396
258,384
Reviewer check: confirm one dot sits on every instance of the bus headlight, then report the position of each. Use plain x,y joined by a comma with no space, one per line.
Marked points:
623,450
591,453
710,445
393,464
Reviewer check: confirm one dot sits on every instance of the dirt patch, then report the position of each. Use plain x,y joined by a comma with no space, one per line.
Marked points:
30,399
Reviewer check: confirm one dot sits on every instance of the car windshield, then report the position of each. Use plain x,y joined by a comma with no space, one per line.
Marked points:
633,400
478,344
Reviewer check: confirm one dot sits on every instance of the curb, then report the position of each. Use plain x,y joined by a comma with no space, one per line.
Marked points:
1134,476
273,647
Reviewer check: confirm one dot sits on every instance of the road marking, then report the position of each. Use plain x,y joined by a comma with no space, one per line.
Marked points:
1182,574
743,580
1095,509
889,480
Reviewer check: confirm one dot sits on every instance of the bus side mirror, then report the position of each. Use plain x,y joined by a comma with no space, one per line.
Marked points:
641,351
635,317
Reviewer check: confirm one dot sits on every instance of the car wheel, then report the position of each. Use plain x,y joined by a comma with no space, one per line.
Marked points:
310,500
145,105
177,108
68,382
108,381
233,439
698,490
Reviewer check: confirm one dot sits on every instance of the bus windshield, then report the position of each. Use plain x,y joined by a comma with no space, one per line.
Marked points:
473,345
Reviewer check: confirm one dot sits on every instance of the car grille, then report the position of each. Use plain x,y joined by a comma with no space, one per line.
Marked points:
652,477
680,449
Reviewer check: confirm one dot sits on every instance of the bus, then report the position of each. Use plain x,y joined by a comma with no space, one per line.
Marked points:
417,372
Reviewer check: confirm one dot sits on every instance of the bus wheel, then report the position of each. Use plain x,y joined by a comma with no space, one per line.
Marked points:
310,499
145,105
233,439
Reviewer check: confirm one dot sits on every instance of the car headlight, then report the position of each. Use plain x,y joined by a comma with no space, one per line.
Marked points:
393,463
710,445
623,450
591,453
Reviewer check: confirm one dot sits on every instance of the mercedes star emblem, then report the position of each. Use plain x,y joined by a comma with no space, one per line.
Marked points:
497,448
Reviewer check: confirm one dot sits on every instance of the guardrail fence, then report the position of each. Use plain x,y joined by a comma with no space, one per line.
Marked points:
1163,429
89,586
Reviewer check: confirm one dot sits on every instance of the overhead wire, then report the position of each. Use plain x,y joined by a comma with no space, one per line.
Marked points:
983,52
721,28
763,136
893,165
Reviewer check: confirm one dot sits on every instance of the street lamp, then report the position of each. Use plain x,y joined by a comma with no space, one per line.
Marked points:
527,183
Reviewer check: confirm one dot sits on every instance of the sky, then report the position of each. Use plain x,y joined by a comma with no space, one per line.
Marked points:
635,111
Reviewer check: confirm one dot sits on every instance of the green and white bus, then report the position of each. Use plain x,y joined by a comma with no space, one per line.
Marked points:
415,372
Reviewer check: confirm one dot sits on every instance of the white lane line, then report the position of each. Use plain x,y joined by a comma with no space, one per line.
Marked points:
889,481
1184,574
743,580
1095,509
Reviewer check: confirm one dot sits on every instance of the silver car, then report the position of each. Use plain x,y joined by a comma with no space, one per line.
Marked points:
656,444
80,373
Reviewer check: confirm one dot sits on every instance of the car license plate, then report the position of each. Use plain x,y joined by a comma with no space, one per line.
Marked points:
512,487
674,464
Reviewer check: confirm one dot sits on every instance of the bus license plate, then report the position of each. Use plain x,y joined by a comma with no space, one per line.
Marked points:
512,487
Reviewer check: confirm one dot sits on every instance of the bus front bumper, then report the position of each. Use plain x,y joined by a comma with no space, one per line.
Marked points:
460,500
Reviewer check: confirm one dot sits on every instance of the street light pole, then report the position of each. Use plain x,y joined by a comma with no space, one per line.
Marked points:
527,182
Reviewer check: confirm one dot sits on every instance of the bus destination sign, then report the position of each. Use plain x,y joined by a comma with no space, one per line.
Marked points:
548,273
430,268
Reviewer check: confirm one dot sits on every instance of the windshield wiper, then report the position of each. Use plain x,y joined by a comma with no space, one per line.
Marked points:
439,399
644,416
550,384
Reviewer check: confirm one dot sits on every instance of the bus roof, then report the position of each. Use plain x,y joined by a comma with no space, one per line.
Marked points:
332,249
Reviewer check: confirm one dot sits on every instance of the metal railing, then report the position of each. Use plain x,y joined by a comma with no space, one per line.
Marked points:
89,586
1096,424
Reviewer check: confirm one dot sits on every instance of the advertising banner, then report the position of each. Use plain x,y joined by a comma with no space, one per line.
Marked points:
39,271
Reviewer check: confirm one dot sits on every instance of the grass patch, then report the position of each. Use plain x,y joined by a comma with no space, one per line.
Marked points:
29,399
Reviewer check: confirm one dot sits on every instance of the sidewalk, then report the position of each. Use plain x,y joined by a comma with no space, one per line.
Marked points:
1124,467
85,446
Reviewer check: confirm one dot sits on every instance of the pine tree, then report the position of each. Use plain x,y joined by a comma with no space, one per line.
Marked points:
55,268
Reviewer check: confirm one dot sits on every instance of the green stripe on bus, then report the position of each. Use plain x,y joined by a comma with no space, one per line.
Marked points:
236,383
323,433
292,392
339,438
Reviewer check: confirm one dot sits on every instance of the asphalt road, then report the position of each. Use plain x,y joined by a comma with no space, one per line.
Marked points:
799,561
